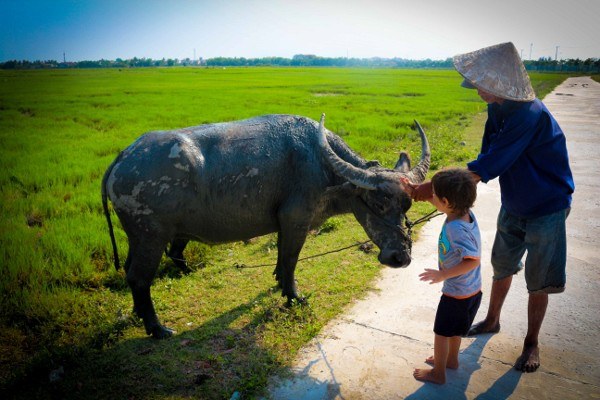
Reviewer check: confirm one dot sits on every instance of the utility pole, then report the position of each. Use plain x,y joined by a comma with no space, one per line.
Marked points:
521,54
194,54
530,50
556,54
64,57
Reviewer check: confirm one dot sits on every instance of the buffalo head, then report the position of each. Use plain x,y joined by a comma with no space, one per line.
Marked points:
379,201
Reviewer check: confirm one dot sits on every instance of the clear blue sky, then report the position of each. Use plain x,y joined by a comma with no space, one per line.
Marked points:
436,29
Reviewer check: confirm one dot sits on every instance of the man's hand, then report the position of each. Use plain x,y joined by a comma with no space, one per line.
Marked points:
423,192
432,275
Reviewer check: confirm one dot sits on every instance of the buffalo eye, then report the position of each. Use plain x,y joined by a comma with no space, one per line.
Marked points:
380,207
383,205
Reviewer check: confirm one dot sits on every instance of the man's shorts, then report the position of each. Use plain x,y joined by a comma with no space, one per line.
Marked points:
454,316
545,240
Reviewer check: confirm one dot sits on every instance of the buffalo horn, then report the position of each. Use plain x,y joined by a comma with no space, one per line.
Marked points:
357,176
418,173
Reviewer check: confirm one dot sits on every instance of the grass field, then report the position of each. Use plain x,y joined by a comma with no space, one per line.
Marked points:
66,328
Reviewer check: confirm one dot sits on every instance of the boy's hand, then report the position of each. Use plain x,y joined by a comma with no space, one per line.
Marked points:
432,275
408,186
423,192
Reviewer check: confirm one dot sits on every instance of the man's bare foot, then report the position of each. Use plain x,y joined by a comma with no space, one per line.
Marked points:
430,375
529,361
452,364
483,327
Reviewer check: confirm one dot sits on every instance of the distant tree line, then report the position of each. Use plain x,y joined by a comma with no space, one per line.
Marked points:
309,60
571,65
118,63
591,65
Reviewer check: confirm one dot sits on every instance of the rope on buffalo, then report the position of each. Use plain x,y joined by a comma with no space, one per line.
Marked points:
409,226
426,218
303,258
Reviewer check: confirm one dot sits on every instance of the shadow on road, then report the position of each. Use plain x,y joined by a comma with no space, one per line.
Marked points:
457,381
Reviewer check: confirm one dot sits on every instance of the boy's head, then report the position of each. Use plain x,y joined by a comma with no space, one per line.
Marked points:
458,187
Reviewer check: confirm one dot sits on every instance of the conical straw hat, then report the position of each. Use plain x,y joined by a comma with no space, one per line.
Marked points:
497,70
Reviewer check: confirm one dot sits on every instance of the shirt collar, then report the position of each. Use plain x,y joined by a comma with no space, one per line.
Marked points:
506,108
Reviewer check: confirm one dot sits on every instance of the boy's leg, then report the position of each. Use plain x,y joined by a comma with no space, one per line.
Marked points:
440,353
453,350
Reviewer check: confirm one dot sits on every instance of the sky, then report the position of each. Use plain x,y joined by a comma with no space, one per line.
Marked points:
413,29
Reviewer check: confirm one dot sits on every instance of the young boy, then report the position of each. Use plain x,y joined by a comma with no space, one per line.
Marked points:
454,192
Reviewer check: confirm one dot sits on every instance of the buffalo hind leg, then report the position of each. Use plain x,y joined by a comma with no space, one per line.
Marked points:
175,252
144,261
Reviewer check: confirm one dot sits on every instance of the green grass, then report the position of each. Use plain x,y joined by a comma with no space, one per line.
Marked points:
63,305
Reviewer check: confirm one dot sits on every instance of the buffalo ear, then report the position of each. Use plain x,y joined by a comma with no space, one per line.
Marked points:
403,163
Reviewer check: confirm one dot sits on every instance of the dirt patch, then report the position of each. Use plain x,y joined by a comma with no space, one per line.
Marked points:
328,94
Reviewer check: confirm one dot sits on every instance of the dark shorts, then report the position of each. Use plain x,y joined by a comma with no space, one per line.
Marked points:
545,240
455,316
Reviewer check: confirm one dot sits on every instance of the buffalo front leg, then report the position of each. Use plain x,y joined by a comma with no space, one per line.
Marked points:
144,260
290,243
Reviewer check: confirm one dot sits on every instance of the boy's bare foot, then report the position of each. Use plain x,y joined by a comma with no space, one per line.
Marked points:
529,361
449,364
429,375
483,327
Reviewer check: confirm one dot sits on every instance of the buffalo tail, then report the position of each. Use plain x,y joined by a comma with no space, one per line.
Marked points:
107,213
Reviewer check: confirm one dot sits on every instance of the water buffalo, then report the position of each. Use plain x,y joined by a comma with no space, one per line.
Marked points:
233,181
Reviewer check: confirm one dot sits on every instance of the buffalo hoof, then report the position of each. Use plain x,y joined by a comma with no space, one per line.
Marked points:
302,301
161,332
182,266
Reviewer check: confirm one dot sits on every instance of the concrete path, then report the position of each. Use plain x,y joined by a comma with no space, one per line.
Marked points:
372,350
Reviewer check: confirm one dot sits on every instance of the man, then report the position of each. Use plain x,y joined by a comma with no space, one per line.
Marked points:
525,148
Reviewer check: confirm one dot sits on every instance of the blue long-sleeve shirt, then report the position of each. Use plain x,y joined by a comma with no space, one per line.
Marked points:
524,146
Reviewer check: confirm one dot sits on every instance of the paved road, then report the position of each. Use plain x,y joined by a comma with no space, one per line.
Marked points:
370,352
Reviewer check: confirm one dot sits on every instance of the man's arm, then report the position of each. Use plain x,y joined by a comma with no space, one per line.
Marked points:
424,191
